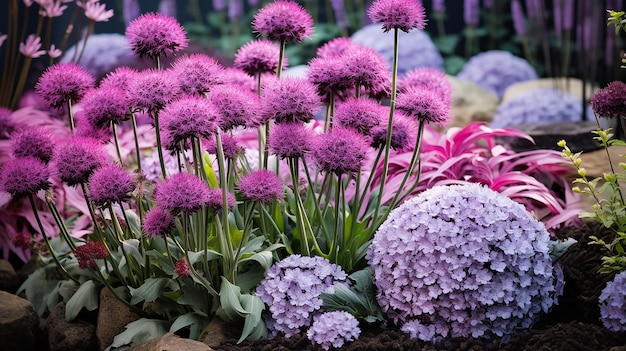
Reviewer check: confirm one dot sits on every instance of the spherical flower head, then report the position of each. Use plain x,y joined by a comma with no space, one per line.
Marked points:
237,105
77,158
430,78
7,125
88,253
403,133
231,147
289,99
33,142
111,184
335,47
64,82
340,151
155,35
331,76
290,140
182,268
216,202
197,73
120,78
610,101
360,114
236,76
333,329
181,192
425,105
401,14
23,176
105,106
261,186
369,70
462,260
259,56
188,117
613,304
152,89
284,21
84,129
158,222
21,240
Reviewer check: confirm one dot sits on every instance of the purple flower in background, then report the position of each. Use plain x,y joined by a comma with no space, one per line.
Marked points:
404,15
120,78
33,142
130,10
152,89
360,114
22,176
283,20
155,35
340,151
339,10
424,105
215,201
235,9
331,76
189,117
333,329
289,99
219,5
290,140
105,106
197,73
237,76
167,8
403,133
158,222
568,14
519,21
230,145
439,5
612,302
335,47
111,184
471,12
610,101
77,158
368,69
63,82
261,186
429,78
236,105
181,193
259,56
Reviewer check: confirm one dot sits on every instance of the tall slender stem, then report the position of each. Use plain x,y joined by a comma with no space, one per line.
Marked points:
158,145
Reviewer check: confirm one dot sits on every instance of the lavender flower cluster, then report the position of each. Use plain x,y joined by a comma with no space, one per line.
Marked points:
333,329
462,260
292,288
613,304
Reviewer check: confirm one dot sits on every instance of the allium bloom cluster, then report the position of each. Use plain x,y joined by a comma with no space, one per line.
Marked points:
331,76
290,140
181,192
197,73
88,253
289,99
360,114
430,78
292,288
368,69
404,15
340,151
23,176
77,158
462,260
333,329
425,105
120,78
158,222
105,106
216,200
334,47
237,106
496,70
152,89
188,117
613,304
231,146
284,21
610,101
403,133
259,56
261,186
63,82
154,35
33,142
111,184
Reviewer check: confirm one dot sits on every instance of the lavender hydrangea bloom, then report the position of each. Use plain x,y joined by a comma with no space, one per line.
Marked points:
292,288
462,260
496,70
333,329
613,304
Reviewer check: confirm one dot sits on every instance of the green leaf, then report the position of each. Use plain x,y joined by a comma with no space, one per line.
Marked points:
210,173
447,44
141,330
131,246
195,257
559,247
453,64
194,321
150,290
229,300
86,296
253,327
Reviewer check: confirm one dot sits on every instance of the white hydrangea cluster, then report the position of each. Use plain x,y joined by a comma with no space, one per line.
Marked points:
613,304
462,260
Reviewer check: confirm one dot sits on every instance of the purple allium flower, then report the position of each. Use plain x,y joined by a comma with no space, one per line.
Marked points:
197,73
216,203
22,176
63,82
610,101
430,78
471,12
7,125
261,186
333,329
77,158
111,184
424,105
22,240
230,145
340,151
154,35
289,99
33,142
84,129
105,106
292,288
335,47
237,106
236,76
290,140
188,117
181,192
369,70
402,14
359,114
152,89
284,21
182,268
88,253
120,78
496,70
519,20
613,304
331,75
259,56
462,260
403,133
158,222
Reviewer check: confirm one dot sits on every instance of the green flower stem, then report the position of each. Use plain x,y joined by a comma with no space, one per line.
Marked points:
22,81
59,221
159,148
281,55
224,230
300,215
117,145
370,177
118,229
193,270
337,243
71,115
247,230
89,31
133,120
355,206
198,160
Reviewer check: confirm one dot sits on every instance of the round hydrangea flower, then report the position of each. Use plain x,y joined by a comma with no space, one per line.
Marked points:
154,35
496,70
362,115
333,329
33,142
105,106
216,202
289,99
430,78
152,89
197,73
401,14
424,105
237,105
64,82
261,186
230,146
335,47
340,151
292,288
290,140
259,56
88,253
331,76
462,260
283,20
158,222
181,192
403,133
613,304
610,101
77,158
187,117
120,78
111,184
22,176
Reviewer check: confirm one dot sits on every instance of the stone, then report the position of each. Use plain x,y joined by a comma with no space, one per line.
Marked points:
76,335
170,342
9,280
113,316
215,333
471,103
19,324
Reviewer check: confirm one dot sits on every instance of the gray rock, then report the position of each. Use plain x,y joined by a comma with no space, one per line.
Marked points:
171,342
19,324
69,336
113,316
8,277
471,103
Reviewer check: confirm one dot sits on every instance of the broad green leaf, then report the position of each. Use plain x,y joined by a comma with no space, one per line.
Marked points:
141,330
131,247
210,173
195,257
86,296
150,290
230,300
194,321
253,327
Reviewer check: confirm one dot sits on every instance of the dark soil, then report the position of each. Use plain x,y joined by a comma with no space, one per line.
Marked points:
572,325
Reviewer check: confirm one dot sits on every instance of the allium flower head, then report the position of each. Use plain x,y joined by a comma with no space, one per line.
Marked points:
369,70
155,35
63,82
283,20
182,268
261,186
111,184
215,201
22,176
259,56
610,101
181,192
105,106
359,114
197,73
613,304
33,142
158,222
402,14
340,151
424,105
333,329
335,47
237,106
331,75
120,78
237,76
430,78
403,133
290,140
187,117
289,99
77,158
88,253
152,89
230,145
